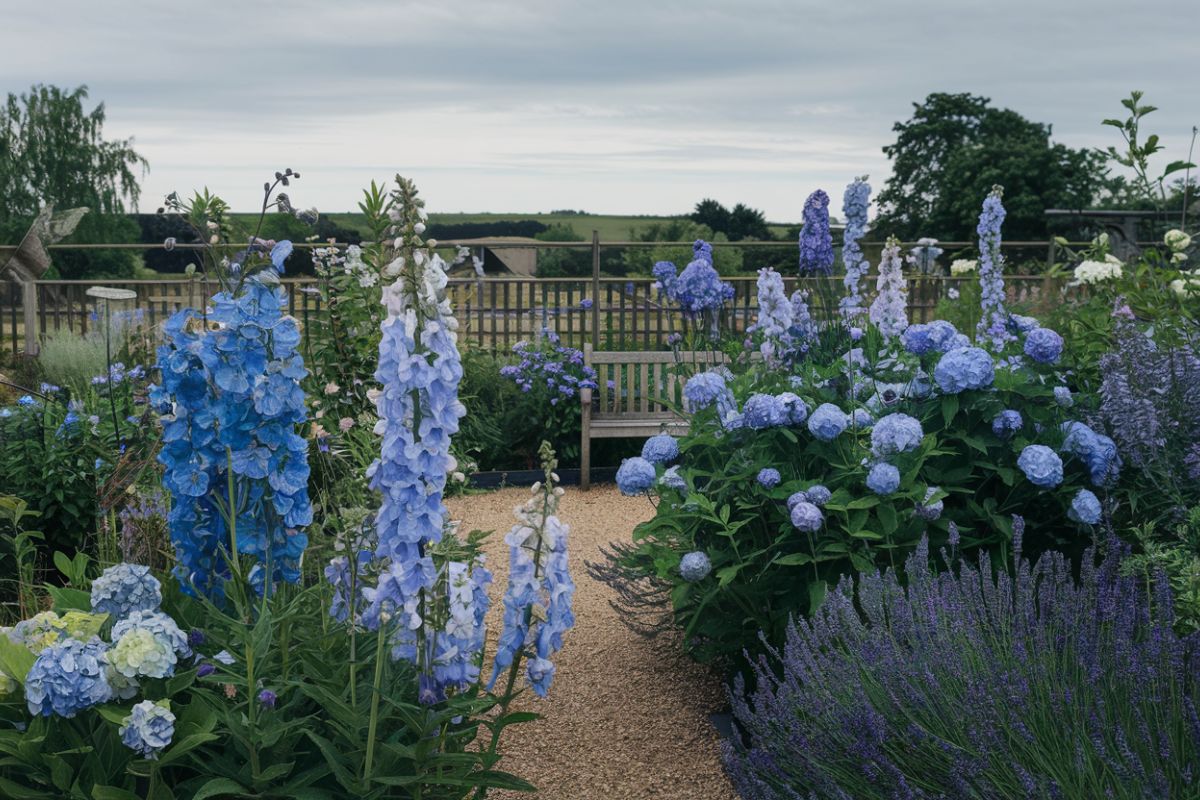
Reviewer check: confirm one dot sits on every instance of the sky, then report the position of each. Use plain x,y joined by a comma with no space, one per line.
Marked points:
614,107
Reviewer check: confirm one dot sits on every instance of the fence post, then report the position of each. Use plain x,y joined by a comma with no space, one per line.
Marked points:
595,309
29,300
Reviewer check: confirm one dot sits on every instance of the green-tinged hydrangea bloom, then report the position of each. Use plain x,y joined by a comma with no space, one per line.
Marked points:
140,652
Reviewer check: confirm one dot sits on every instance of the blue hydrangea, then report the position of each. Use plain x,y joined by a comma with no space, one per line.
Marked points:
1043,345
125,588
943,336
827,422
68,677
818,495
704,389
1085,507
861,418
769,477
816,241
694,566
673,480
795,408
1062,396
895,434
930,511
1007,423
699,289
148,729
883,478
917,339
964,368
1041,466
807,517
660,449
635,476
158,624
764,411
1097,452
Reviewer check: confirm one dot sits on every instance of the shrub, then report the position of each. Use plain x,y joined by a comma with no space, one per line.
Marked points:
971,684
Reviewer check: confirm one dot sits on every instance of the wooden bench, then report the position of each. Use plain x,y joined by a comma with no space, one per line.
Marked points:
645,392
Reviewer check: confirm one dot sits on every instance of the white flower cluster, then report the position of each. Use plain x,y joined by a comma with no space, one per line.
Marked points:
963,266
1092,272
1178,242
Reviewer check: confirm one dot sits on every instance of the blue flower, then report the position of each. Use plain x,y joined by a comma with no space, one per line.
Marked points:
1062,396
673,480
816,242
861,418
1007,423
895,434
694,566
699,288
768,477
68,677
993,322
585,303
883,478
917,339
703,389
942,335
764,411
807,517
158,624
795,408
964,368
148,729
1097,451
635,476
1043,345
1085,507
827,422
124,588
280,253
1041,466
818,495
855,202
660,449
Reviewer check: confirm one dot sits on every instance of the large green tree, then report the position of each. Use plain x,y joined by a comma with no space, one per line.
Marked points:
956,147
53,151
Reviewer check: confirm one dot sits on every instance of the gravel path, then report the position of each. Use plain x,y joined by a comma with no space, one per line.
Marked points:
627,717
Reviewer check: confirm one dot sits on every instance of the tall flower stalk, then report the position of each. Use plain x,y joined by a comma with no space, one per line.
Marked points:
855,202
231,404
889,309
993,321
816,242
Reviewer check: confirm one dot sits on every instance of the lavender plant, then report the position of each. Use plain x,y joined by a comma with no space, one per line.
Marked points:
968,684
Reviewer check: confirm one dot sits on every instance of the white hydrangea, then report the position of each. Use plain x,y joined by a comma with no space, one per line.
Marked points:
1187,285
1093,272
140,652
1177,240
963,266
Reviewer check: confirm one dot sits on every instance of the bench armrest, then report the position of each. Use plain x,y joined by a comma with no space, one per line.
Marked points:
585,396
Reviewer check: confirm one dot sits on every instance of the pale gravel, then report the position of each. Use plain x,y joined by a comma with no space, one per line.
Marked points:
627,717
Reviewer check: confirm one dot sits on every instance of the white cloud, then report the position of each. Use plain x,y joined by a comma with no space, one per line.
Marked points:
618,106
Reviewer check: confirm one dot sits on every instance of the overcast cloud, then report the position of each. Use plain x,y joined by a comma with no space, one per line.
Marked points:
610,106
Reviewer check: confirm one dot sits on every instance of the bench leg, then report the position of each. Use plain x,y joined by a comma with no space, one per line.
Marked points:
585,452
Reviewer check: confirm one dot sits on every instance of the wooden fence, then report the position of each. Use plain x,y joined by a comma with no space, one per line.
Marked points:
493,313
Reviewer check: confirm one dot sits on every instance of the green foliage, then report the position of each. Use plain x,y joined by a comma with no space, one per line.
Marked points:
18,554
765,570
641,260
955,147
1137,152
563,262
740,222
53,152
1172,550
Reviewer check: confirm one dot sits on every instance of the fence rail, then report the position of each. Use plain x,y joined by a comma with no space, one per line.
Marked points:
493,313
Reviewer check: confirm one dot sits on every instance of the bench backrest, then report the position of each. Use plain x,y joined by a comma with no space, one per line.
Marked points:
644,383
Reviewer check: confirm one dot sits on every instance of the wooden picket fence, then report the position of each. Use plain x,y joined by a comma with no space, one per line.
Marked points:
493,313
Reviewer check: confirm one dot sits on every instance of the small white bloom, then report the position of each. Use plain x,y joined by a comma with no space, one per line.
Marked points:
1177,240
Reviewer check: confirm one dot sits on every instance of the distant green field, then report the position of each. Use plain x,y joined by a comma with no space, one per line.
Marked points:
612,228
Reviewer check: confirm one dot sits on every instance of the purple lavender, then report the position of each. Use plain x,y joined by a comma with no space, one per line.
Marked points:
965,683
